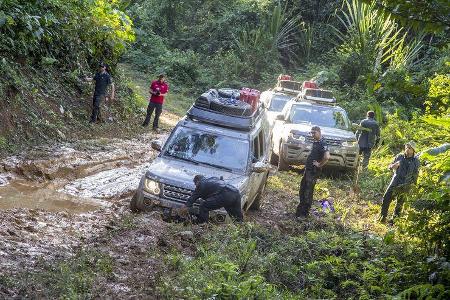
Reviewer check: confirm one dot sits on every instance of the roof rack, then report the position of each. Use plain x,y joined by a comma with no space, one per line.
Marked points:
214,117
288,86
317,96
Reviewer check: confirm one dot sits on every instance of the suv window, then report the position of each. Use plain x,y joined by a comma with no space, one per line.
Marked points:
208,148
278,102
259,146
321,116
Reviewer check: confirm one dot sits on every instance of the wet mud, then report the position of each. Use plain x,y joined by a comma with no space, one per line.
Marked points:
53,199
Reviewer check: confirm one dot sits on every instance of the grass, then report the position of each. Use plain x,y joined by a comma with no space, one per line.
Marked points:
68,279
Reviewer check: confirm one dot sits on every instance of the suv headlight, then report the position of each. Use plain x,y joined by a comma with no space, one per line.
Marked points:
349,143
295,136
151,186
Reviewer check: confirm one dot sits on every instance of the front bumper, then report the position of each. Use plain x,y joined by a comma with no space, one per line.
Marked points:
296,152
176,200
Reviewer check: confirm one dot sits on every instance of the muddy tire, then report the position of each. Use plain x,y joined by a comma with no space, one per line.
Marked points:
273,159
256,205
136,205
282,164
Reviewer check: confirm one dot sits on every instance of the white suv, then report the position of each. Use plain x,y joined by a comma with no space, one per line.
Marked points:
291,143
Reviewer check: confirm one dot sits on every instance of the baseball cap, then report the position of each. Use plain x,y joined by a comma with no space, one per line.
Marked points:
412,144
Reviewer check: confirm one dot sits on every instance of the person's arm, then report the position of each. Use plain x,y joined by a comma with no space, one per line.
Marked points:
113,91
326,157
377,135
164,92
195,195
151,90
395,164
415,172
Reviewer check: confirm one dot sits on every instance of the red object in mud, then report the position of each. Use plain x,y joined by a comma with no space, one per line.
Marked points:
284,77
309,85
250,96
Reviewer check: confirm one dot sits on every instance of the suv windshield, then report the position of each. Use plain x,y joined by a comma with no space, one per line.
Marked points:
320,116
208,148
277,102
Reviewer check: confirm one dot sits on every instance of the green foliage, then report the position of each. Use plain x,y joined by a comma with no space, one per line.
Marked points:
439,94
252,262
373,38
425,15
70,31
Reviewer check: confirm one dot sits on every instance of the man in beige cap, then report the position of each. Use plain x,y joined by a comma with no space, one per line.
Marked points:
406,170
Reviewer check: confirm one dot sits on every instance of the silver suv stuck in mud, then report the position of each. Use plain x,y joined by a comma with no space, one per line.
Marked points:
291,142
208,142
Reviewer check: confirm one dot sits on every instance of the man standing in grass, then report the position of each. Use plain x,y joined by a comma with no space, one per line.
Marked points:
102,80
158,90
406,170
368,137
314,162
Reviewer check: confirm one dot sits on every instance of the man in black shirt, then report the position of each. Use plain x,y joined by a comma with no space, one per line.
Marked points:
368,137
314,162
102,80
217,194
406,170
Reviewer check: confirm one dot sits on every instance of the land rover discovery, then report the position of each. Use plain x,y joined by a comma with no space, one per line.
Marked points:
208,142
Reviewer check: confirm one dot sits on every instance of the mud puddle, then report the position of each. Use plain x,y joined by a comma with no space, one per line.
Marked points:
75,177
23,194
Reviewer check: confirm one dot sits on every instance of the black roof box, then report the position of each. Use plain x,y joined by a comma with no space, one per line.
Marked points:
217,118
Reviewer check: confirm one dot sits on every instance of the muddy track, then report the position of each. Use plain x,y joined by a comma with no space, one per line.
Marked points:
54,199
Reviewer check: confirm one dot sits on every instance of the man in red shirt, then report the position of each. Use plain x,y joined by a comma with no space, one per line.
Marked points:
158,90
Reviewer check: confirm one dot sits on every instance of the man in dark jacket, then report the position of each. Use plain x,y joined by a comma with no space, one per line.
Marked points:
406,170
368,137
102,80
316,159
217,194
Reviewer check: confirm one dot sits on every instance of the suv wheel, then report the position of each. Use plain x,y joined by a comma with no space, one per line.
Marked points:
136,205
282,164
273,157
256,205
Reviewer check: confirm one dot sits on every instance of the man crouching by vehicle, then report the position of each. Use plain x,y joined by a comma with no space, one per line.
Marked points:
217,194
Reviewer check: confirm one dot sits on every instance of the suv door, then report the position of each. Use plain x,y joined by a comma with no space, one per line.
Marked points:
259,154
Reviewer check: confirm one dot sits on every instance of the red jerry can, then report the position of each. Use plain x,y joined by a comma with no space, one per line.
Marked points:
309,85
254,99
284,77
244,94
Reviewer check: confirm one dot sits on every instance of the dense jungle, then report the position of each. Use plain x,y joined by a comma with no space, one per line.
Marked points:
66,229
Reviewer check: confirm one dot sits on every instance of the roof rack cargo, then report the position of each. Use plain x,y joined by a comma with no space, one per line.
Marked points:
239,109
218,118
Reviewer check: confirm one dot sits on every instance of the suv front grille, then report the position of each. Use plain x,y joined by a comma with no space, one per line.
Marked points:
176,193
330,142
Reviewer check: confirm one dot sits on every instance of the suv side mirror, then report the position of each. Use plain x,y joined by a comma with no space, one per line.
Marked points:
260,167
280,117
156,145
